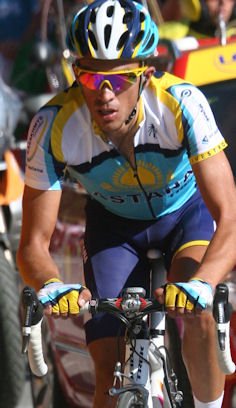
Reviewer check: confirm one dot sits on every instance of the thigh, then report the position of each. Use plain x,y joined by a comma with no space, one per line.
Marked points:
110,264
189,241
110,270
107,272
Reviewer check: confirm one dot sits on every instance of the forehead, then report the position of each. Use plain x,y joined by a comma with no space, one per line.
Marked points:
107,65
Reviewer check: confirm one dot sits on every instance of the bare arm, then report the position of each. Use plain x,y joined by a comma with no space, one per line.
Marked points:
40,209
216,183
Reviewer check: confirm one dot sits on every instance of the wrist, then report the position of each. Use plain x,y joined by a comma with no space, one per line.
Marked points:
203,281
52,280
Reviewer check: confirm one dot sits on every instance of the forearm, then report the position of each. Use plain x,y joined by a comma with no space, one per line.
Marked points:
220,257
36,266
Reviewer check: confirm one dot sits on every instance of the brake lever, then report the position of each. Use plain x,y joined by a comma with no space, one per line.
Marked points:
222,310
33,312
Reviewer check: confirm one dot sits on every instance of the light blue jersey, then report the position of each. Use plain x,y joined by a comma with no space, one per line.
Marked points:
176,129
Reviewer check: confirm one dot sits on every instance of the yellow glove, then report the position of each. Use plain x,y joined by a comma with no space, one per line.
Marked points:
188,295
62,297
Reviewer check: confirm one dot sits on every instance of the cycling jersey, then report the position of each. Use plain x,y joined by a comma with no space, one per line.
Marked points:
176,129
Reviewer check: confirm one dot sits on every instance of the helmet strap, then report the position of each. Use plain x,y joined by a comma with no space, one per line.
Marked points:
134,111
142,83
131,115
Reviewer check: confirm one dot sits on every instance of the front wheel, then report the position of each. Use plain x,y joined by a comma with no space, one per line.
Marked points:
131,399
12,363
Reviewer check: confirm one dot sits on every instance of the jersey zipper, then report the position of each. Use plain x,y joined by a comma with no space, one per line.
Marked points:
136,176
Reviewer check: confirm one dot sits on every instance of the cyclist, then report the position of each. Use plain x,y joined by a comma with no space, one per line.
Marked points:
145,146
200,19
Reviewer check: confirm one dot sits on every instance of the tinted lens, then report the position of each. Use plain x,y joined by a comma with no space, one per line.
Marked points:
118,82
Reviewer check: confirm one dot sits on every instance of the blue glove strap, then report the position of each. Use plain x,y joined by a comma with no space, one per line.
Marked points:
61,290
194,295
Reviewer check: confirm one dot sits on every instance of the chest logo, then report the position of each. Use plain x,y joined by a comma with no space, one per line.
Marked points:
148,174
152,131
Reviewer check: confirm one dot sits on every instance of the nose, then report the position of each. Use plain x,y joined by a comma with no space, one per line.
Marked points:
106,92
106,84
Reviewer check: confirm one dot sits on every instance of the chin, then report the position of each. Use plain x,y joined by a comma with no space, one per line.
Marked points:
109,126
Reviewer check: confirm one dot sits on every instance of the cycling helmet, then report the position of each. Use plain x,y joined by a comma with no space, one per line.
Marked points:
113,29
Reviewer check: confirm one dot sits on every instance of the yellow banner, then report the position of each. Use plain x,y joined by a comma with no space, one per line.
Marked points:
209,65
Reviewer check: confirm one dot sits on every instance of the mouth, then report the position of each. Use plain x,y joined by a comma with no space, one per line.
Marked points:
107,114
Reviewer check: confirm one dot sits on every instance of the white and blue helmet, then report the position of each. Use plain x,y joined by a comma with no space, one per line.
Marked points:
113,29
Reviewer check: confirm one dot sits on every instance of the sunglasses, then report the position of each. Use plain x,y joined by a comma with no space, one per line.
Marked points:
117,81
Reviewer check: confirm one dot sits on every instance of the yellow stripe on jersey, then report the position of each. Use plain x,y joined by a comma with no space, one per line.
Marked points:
71,100
165,82
209,153
140,112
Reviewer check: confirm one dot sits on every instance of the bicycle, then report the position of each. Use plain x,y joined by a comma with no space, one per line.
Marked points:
147,378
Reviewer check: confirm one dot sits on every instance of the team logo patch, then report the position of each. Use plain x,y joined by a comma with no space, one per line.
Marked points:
186,93
37,132
152,131
36,127
149,175
205,140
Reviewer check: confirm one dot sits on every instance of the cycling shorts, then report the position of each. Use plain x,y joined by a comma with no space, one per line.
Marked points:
115,248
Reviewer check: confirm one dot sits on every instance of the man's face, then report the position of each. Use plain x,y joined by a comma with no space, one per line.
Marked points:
109,108
223,7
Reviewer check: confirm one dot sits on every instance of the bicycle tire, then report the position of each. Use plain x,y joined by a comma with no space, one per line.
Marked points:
12,362
130,399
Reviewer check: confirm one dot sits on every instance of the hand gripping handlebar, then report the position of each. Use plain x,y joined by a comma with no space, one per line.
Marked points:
132,303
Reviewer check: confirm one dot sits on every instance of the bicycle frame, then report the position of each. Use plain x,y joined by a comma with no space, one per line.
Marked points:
146,367
145,371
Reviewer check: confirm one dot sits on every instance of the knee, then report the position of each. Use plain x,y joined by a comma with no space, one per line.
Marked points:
105,353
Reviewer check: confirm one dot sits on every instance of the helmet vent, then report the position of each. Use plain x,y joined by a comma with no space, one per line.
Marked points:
150,42
110,11
93,40
139,38
93,16
107,34
128,17
142,17
123,39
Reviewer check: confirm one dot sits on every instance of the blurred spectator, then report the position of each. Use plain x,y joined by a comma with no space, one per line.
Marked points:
199,18
208,19
19,21
170,9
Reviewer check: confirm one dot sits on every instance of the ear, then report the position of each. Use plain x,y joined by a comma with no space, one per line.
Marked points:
147,75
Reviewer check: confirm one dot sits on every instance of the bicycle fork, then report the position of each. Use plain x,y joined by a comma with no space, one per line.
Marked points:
135,378
146,372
